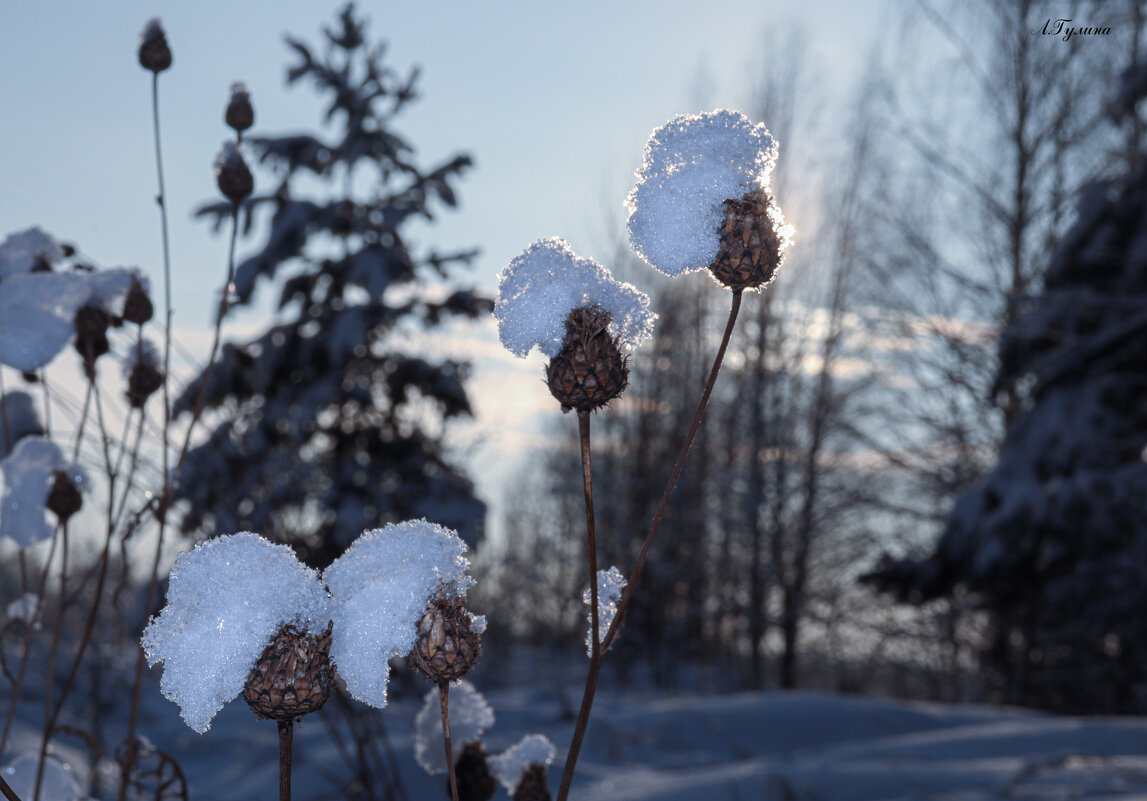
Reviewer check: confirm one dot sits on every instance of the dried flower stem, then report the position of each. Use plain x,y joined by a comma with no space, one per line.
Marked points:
286,737
7,791
659,513
443,697
161,511
50,672
595,651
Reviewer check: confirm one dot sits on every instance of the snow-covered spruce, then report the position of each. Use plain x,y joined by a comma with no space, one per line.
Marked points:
692,165
545,282
610,585
510,766
470,716
29,474
380,588
226,600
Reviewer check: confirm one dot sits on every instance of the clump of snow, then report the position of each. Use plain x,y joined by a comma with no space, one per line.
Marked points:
533,749
57,784
380,588
470,716
229,158
546,281
28,475
20,251
610,586
692,165
225,601
109,288
37,311
26,609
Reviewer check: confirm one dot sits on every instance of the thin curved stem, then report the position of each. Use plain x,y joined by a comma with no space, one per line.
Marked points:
659,513
595,652
678,467
443,697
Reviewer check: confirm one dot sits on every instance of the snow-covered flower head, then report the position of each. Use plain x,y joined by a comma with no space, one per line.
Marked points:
240,114
232,175
226,600
511,767
30,472
692,165
545,282
154,52
380,589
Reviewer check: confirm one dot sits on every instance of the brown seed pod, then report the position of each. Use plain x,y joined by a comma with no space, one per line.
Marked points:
154,53
472,769
589,371
137,306
64,499
91,336
232,175
446,648
751,248
240,114
293,675
142,382
532,785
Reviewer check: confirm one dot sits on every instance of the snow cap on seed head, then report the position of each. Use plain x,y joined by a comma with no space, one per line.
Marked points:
546,281
380,588
692,165
226,600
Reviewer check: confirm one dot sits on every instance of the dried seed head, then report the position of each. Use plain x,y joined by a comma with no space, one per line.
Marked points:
154,54
447,647
240,114
64,499
231,174
589,370
144,373
91,336
472,770
532,786
137,306
293,675
753,242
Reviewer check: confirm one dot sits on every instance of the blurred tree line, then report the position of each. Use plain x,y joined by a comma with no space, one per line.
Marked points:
867,392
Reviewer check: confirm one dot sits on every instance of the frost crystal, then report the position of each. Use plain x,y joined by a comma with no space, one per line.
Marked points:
543,283
380,587
692,165
508,767
470,716
610,585
57,784
28,475
20,251
225,601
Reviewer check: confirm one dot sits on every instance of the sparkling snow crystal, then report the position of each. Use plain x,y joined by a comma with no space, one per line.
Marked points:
693,164
508,767
543,283
380,587
225,601
28,475
470,716
610,585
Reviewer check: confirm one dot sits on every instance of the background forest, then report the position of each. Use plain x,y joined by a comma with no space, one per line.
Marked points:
922,474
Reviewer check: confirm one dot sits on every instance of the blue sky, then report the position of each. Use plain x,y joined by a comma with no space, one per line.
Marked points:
554,102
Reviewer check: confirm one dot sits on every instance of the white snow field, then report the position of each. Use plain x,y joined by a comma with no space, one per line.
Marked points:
800,746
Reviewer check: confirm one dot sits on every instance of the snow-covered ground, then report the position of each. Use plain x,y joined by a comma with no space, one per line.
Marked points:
768,745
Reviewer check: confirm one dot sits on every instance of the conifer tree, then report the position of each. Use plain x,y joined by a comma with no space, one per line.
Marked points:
322,426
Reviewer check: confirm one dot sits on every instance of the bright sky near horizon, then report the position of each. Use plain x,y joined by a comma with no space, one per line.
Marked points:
553,101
